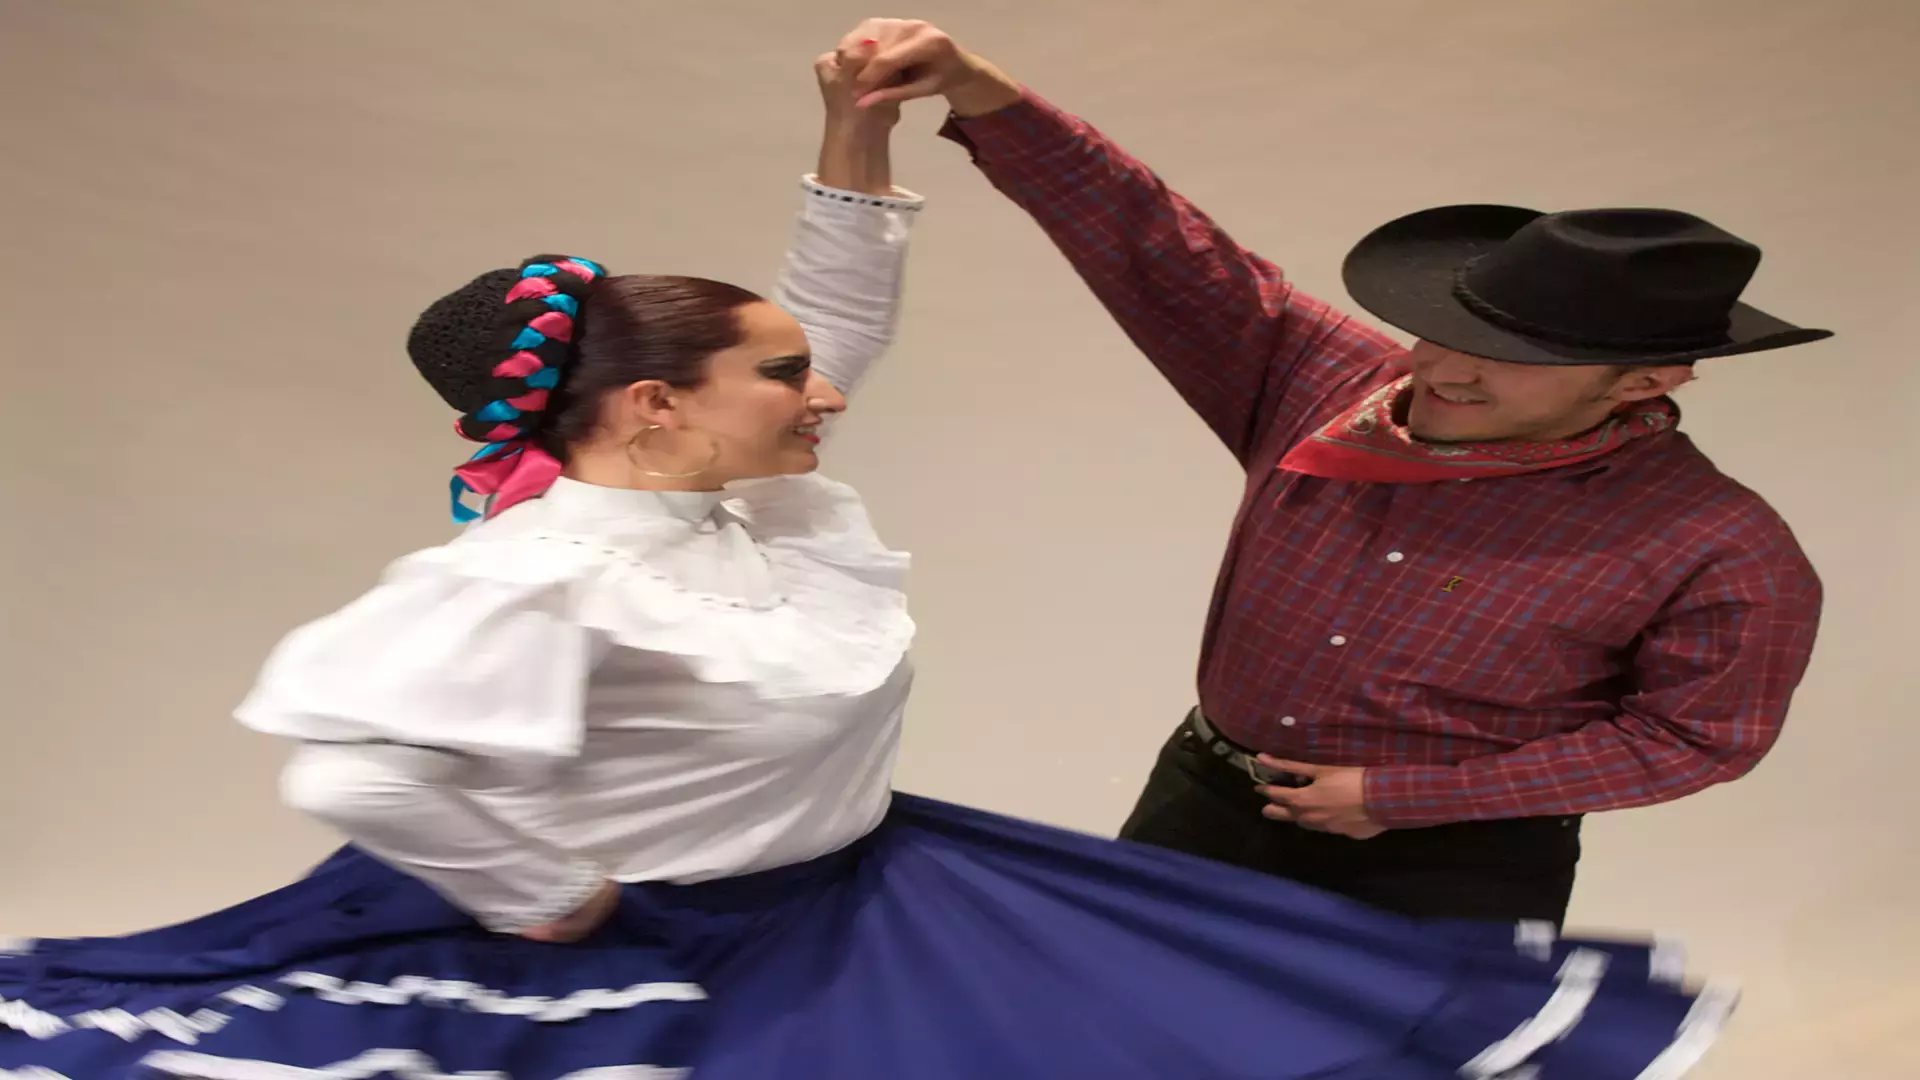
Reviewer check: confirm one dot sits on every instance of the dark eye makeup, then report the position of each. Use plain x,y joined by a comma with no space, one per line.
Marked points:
787,369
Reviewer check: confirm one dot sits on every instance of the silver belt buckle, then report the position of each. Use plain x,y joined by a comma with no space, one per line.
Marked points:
1249,763
1263,774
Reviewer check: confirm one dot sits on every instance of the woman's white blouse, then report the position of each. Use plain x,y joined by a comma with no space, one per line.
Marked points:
603,683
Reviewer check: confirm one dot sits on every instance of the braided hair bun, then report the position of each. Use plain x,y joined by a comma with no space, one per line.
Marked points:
496,348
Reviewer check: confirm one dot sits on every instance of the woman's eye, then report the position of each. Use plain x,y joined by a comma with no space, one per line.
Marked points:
794,371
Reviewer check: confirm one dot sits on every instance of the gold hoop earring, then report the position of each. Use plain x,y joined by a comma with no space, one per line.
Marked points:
712,457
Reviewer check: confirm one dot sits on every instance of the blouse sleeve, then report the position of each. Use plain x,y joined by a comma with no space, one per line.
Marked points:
404,698
843,276
409,807
446,652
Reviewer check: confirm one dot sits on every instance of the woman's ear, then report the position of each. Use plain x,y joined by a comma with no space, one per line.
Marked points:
650,403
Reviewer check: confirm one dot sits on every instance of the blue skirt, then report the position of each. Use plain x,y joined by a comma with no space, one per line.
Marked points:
951,944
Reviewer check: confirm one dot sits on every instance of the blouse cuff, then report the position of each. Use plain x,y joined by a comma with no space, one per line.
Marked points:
901,199
583,879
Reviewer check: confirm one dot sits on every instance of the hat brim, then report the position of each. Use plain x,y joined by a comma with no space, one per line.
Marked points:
1403,272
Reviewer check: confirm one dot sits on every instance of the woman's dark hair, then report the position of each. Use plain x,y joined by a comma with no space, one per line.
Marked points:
531,353
639,328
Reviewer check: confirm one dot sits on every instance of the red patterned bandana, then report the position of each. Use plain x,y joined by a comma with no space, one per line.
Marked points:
1370,442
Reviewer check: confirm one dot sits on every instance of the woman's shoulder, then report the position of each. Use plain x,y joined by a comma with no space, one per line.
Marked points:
808,516
531,559
537,551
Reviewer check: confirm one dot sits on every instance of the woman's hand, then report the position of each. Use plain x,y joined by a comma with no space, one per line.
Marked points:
838,72
854,149
584,920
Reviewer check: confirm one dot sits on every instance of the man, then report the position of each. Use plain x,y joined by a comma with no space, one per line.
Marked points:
1475,590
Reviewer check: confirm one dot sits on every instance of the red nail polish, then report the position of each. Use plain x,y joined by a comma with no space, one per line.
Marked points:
870,41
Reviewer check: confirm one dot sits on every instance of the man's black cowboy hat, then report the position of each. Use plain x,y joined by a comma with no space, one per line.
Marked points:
1578,287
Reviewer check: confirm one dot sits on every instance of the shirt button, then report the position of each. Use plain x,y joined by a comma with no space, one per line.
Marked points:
1287,721
1394,556
1338,639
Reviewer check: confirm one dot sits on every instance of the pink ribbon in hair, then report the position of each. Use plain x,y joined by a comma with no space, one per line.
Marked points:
510,472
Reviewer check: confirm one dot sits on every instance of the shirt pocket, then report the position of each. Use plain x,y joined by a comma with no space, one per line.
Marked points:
1525,629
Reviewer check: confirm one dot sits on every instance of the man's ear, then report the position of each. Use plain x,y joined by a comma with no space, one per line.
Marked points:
1644,383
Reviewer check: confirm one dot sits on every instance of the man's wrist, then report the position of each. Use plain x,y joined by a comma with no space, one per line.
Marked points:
1413,796
986,89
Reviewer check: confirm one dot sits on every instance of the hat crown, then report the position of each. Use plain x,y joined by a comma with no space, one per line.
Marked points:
1618,277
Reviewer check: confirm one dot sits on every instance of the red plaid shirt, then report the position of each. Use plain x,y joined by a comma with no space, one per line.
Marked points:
1604,635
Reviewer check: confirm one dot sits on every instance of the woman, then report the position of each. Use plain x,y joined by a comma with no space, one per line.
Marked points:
615,767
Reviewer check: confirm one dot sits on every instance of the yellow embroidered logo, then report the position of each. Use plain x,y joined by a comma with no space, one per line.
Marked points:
1452,584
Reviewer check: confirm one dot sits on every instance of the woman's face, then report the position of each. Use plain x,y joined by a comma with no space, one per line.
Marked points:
757,413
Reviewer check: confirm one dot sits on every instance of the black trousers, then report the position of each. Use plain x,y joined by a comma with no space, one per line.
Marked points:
1517,868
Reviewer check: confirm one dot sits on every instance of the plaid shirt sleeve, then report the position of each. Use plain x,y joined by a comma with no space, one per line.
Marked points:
1712,679
1222,324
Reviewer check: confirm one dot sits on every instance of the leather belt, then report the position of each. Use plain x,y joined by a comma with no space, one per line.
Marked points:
1235,757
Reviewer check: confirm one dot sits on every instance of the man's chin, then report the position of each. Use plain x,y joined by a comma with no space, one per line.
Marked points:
1424,429
1428,433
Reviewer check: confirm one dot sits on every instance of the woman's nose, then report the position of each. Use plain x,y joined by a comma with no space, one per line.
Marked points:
822,396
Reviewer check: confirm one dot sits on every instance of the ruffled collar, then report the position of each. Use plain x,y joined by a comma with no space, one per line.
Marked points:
781,582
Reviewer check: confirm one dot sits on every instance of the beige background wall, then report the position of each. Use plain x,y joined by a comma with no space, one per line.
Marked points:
220,217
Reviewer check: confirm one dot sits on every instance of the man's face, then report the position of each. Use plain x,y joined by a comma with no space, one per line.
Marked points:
1458,397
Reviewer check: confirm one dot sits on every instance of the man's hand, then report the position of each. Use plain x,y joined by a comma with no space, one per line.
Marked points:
1334,801
910,59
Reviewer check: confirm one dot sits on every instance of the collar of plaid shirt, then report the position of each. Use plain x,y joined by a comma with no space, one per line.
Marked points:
1370,442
